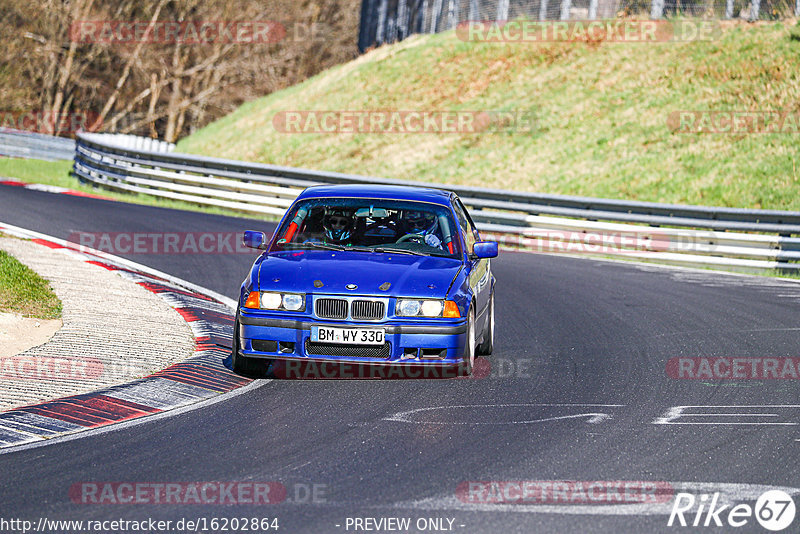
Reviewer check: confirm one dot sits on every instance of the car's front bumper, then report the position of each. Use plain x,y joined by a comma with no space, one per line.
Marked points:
406,343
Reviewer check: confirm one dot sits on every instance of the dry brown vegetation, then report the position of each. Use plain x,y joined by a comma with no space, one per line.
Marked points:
162,89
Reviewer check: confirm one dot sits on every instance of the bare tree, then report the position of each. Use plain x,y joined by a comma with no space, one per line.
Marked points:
156,88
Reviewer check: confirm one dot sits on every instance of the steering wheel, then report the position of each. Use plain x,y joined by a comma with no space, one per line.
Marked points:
411,237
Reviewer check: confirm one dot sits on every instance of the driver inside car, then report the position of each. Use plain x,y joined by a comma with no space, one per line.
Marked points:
338,225
423,224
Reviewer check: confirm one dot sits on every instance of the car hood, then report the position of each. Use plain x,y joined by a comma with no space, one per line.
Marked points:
407,275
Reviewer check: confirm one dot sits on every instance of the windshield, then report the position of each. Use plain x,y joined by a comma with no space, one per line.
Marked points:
371,226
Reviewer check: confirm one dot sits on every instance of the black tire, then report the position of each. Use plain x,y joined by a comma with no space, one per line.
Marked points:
469,347
487,345
240,364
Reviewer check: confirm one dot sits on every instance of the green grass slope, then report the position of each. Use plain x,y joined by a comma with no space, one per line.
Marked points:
602,117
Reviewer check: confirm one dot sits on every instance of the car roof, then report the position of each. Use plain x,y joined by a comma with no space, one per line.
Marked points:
388,192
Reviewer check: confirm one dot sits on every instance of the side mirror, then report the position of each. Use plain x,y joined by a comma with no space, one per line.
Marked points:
485,249
254,239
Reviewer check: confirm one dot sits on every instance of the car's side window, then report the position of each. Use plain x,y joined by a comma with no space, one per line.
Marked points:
472,227
467,228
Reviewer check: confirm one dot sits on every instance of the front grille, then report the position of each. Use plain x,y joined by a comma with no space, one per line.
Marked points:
349,351
369,310
331,308
359,310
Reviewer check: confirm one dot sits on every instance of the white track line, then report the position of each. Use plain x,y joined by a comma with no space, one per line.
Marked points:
29,234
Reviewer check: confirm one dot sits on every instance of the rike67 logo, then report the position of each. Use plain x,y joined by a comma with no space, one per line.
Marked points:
774,510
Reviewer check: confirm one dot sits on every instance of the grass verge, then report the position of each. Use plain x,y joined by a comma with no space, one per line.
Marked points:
25,292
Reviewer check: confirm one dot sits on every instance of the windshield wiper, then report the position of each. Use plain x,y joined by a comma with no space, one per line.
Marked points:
310,245
398,251
325,246
332,246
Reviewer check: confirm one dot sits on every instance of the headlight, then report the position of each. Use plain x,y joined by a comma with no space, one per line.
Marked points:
271,301
417,308
408,308
293,301
283,301
432,308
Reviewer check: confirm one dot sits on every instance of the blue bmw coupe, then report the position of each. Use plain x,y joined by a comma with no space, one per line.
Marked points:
368,275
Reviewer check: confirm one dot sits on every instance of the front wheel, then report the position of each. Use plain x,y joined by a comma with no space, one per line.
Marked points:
469,346
487,345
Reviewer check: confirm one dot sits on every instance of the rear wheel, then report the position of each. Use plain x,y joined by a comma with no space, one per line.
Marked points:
469,346
487,345
242,365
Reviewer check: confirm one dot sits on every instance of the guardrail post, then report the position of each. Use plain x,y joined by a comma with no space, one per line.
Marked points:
435,14
379,33
502,10
473,10
755,10
565,7
592,9
729,9
391,25
657,9
402,20
452,14
543,10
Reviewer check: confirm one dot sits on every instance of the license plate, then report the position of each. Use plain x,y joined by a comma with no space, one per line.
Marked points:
350,336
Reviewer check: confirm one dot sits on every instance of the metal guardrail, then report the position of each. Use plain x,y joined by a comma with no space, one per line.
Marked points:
729,238
137,142
22,144
33,145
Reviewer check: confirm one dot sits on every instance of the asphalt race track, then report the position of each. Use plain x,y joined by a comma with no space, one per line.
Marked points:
577,386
